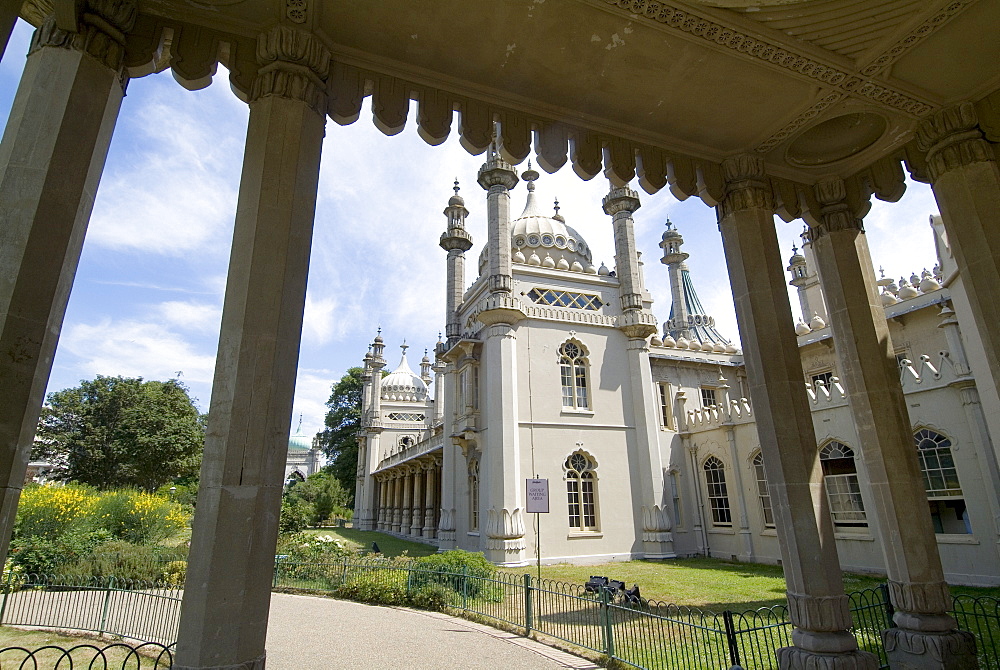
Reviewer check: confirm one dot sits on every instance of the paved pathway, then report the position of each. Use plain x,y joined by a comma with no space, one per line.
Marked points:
311,633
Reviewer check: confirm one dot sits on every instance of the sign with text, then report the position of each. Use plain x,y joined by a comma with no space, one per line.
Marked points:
538,496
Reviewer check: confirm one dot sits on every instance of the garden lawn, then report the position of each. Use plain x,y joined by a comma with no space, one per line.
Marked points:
85,656
706,582
387,544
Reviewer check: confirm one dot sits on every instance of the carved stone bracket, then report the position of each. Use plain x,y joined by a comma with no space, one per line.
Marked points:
952,138
746,185
835,211
294,64
102,26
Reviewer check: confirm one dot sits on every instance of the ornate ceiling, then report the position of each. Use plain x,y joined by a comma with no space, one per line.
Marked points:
662,91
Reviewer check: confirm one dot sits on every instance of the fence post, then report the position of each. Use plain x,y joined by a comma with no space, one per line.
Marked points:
890,611
527,605
609,634
107,602
6,592
465,587
731,641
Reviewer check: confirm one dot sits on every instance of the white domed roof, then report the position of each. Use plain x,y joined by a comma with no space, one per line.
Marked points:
549,235
402,384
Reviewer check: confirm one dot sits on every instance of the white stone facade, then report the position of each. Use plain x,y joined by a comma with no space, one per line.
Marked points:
650,444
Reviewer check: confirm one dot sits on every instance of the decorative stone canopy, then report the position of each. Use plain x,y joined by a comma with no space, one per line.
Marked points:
607,85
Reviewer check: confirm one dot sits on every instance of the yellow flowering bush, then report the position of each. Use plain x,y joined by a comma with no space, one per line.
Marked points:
50,510
137,516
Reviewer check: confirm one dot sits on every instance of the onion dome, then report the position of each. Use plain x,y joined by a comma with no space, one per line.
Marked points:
732,349
655,341
906,291
888,298
402,384
456,199
927,282
536,231
603,270
817,322
802,328
299,441
669,342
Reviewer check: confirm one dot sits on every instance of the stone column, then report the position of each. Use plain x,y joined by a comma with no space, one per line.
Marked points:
965,177
224,613
405,518
637,324
51,158
417,521
926,636
817,605
8,17
430,495
397,501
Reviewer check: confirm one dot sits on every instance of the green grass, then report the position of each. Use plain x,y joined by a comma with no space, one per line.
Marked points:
707,582
85,656
389,545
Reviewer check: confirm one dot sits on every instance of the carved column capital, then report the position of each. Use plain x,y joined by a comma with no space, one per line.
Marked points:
835,212
747,186
294,65
101,26
952,138
829,614
621,201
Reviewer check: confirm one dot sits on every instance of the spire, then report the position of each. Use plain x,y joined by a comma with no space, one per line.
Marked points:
557,216
456,240
531,205
688,318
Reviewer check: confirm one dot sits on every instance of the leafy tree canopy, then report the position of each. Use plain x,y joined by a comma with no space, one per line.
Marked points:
324,492
339,439
113,432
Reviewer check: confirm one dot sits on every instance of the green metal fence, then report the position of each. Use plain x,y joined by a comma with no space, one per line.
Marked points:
647,635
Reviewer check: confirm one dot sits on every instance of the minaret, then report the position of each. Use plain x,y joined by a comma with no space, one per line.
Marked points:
456,240
637,324
365,513
806,281
497,177
674,259
425,369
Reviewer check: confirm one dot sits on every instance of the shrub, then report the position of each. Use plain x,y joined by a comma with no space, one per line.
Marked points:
51,555
461,571
138,517
381,587
296,514
49,510
434,597
119,559
174,573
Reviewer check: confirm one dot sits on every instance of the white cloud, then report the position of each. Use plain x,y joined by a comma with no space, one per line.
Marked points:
192,316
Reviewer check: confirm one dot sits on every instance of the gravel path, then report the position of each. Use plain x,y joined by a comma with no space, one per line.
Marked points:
311,633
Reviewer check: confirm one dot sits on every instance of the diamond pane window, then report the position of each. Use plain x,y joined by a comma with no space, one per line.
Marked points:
405,416
547,296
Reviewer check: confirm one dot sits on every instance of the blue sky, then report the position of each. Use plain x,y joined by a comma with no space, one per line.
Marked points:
147,300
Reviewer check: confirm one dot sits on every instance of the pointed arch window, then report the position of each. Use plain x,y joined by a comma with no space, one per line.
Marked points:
581,491
944,492
718,494
762,493
840,475
573,373
474,495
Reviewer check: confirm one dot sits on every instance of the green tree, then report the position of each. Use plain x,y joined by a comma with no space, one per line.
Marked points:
339,439
113,432
324,492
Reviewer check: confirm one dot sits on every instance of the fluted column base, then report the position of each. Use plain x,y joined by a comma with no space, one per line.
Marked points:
917,650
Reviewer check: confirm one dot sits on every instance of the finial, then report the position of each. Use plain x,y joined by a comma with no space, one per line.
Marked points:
881,271
555,205
300,424
670,224
456,187
795,250
425,352
404,346
439,337
530,176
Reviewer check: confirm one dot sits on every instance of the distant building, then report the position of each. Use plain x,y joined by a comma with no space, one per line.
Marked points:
650,446
304,457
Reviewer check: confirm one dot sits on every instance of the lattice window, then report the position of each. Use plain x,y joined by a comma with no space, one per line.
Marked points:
718,494
840,475
548,296
405,416
474,495
762,493
573,375
937,464
581,493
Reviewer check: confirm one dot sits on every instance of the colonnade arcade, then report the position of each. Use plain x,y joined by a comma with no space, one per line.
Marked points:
409,498
293,75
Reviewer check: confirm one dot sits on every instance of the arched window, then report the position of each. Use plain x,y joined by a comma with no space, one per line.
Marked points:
581,491
718,495
944,493
573,371
762,493
474,495
840,475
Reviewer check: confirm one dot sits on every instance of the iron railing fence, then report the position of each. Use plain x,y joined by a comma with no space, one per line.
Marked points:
139,610
647,635
117,656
